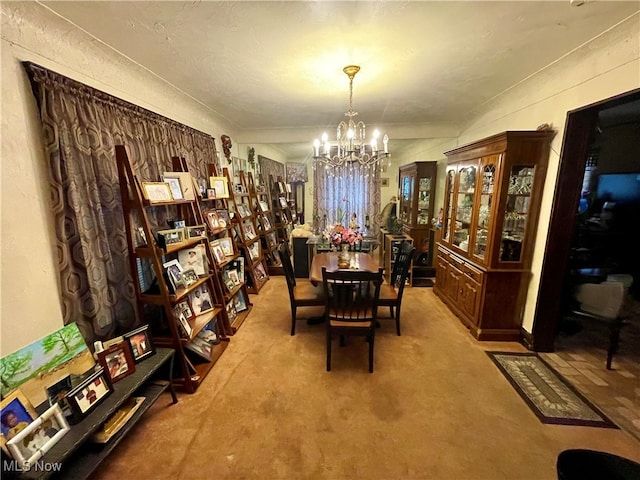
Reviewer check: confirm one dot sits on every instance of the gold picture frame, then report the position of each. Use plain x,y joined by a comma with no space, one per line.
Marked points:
17,404
157,192
220,185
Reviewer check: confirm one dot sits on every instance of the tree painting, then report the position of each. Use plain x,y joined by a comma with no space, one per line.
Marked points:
40,357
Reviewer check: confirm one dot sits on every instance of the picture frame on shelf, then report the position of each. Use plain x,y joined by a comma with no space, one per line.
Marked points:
261,274
185,180
233,276
141,237
201,300
231,311
226,244
89,393
22,413
283,202
183,307
211,217
189,277
211,193
38,437
170,237
228,282
264,206
266,224
223,218
141,343
196,231
218,253
239,302
157,192
220,185
254,251
117,361
174,272
186,330
174,185
249,231
194,258
57,393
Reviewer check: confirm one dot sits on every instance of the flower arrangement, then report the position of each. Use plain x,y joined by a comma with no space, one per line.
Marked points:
339,235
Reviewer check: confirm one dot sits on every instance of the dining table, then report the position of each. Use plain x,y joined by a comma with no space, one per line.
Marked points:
360,261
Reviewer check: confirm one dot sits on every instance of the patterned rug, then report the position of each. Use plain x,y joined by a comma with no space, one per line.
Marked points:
550,396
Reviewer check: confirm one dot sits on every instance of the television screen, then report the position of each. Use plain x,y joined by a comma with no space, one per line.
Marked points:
622,188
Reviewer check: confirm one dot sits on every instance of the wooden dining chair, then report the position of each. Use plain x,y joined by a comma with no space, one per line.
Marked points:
391,293
351,299
300,295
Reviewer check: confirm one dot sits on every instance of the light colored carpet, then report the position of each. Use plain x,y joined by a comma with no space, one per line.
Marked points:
435,408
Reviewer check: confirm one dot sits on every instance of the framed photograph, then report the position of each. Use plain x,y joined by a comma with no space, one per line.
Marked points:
174,272
231,311
218,253
189,277
211,217
141,343
239,302
254,251
89,393
117,361
174,185
233,276
244,210
226,244
193,258
141,236
266,224
185,181
223,218
248,229
184,308
384,181
16,415
261,274
264,206
240,263
283,202
196,231
57,393
157,192
219,184
170,237
228,282
39,436
200,300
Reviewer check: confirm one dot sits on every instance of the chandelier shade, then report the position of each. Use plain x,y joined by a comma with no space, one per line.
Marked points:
351,145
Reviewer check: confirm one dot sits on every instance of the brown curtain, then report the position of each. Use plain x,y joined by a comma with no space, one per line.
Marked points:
81,126
270,167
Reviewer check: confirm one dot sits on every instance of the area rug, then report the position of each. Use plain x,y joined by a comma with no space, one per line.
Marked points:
550,396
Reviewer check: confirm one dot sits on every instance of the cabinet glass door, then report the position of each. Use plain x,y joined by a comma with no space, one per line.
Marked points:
406,198
424,200
483,227
514,223
464,206
446,221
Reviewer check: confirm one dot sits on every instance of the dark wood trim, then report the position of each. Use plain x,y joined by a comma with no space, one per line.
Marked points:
579,133
526,339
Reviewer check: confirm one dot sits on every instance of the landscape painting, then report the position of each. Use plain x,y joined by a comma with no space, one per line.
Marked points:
44,362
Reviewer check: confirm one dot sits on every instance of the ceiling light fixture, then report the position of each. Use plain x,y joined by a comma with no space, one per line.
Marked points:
351,145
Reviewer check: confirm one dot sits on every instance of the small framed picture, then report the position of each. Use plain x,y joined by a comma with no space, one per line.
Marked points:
200,300
384,181
211,217
283,202
226,244
185,308
228,281
218,253
193,258
174,185
261,274
89,393
117,361
219,184
157,192
231,311
223,218
17,414
249,231
196,231
57,393
239,302
211,193
264,206
38,437
141,236
141,343
174,272
189,277
233,276
170,237
185,183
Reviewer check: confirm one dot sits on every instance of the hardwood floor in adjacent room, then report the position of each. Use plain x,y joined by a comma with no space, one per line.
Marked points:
436,407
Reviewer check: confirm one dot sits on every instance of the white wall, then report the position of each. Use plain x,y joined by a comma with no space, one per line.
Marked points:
29,293
605,67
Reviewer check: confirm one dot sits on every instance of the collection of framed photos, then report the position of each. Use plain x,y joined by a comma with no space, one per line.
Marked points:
26,436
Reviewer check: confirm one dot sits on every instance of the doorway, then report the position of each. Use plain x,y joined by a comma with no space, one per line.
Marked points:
580,133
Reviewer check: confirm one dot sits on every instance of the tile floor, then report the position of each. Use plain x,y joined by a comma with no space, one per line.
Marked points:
581,358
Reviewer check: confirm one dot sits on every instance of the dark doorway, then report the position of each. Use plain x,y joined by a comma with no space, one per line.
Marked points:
582,128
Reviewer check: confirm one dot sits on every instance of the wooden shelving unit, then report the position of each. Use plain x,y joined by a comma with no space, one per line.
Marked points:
156,305
266,225
280,206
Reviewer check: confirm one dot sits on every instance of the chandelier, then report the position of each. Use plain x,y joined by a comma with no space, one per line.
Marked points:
351,145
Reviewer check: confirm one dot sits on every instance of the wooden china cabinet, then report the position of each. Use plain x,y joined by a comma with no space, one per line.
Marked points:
417,192
493,190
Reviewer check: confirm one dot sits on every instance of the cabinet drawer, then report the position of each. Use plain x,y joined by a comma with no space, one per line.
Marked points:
442,252
473,273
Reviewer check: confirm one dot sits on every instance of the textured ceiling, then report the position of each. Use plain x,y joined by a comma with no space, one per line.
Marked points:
274,69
